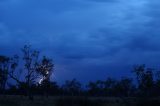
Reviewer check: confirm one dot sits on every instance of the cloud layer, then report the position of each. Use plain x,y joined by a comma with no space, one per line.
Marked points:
88,39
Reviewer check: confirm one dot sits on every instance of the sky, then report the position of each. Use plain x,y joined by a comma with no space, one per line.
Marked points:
87,39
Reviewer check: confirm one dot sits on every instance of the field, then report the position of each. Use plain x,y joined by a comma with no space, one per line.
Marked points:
77,101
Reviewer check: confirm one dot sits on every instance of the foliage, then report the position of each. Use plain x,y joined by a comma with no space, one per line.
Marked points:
31,75
26,74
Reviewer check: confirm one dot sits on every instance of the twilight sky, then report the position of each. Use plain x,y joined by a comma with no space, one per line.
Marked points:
87,39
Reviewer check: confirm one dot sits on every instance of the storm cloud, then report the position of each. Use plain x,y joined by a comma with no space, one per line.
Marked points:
87,39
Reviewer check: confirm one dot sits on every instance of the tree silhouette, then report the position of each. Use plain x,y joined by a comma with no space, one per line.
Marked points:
72,87
94,88
124,87
32,75
4,68
45,69
109,86
33,69
157,84
145,79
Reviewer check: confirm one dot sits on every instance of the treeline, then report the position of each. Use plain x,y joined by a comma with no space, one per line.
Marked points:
146,85
30,75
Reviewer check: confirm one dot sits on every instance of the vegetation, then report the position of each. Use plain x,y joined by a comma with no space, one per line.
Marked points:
25,73
29,76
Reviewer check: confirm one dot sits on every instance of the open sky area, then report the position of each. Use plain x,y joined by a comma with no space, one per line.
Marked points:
87,39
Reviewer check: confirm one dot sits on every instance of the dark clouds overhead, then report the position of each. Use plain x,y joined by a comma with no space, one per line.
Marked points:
102,37
107,1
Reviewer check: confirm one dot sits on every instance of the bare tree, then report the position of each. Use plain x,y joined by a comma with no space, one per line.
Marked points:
32,70
30,58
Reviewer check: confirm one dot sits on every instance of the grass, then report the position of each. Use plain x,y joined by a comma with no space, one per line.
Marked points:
23,101
77,101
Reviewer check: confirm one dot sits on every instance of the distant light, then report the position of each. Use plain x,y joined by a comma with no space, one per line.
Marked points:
40,81
47,72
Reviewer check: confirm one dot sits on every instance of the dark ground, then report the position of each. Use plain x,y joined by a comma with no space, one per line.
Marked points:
77,101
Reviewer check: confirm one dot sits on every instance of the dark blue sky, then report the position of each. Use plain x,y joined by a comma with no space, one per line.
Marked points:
88,39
